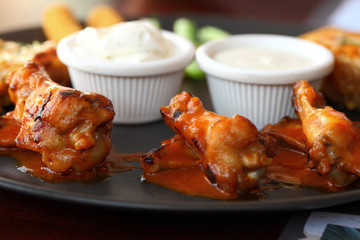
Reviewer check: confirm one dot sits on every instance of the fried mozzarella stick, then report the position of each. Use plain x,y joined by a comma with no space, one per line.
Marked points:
58,21
331,139
71,129
103,15
231,155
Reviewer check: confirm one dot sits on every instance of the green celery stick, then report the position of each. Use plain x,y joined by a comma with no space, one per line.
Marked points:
208,33
186,28
194,72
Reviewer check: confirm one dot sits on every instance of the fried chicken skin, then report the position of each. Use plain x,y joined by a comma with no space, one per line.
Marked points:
332,141
9,129
173,153
231,155
71,129
286,133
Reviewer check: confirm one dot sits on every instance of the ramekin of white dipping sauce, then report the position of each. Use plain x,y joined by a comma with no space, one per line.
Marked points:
253,74
136,65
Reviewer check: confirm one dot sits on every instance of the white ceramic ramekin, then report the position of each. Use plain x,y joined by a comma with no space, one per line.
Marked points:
137,90
262,96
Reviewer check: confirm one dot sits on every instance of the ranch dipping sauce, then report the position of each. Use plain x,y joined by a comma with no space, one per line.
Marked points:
126,42
261,58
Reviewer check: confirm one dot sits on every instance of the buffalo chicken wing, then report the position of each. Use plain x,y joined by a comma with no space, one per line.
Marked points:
173,153
71,129
331,139
231,155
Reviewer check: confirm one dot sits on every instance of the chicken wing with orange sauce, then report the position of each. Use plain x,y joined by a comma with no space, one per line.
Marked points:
231,155
331,139
9,129
71,129
173,153
286,133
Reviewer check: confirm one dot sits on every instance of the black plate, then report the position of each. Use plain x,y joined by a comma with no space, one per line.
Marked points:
126,191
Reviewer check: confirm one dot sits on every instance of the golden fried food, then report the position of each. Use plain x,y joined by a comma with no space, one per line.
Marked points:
286,133
58,21
231,155
9,129
332,141
103,16
71,129
173,153
343,85
290,165
14,54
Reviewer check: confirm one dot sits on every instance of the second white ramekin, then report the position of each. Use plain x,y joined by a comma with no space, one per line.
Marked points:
259,95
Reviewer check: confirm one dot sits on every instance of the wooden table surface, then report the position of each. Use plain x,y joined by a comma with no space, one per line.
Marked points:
24,216
27,217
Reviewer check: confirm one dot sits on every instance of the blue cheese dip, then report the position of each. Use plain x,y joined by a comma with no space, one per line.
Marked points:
261,58
130,42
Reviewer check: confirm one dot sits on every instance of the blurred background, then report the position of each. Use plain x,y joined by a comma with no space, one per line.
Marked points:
22,14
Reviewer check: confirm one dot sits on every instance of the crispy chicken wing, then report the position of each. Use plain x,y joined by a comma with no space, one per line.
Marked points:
172,154
9,129
286,133
331,139
231,155
71,129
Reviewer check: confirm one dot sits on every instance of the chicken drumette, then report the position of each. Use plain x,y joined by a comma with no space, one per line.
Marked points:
71,129
332,141
231,155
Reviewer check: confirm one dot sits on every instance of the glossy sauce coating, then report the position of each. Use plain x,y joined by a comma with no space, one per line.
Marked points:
30,161
190,181
289,167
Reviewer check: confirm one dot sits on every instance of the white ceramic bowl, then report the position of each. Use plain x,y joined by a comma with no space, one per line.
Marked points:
262,96
137,90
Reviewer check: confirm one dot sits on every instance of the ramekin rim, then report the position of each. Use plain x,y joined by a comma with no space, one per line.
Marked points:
276,77
155,67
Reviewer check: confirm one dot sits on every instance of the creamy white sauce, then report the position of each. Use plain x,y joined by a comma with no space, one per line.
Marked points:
261,58
131,42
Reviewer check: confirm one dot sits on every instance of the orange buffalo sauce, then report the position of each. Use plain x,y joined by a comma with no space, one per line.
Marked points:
30,162
287,167
290,167
190,181
9,129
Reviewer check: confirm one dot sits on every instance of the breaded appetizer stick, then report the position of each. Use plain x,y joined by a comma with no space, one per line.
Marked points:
102,16
58,21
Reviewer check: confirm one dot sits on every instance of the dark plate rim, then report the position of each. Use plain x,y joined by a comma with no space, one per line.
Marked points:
300,203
